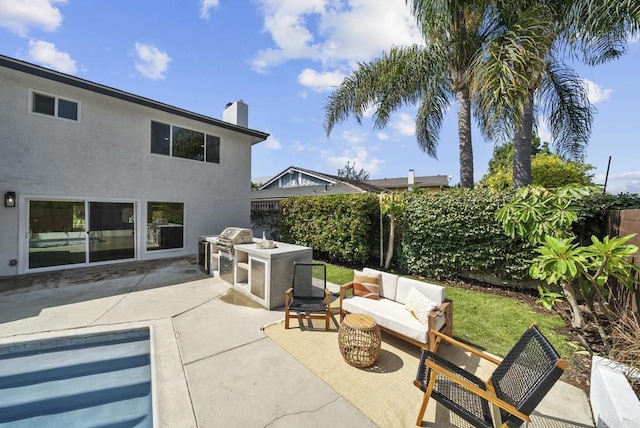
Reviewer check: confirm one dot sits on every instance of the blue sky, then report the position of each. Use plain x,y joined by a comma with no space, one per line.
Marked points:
283,57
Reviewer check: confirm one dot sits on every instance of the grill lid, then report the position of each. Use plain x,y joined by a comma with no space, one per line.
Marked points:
236,235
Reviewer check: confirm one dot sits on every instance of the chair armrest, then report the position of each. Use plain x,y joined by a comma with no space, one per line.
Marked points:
287,297
487,395
439,336
344,288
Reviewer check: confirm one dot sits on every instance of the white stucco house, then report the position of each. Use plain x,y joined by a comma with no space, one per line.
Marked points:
91,175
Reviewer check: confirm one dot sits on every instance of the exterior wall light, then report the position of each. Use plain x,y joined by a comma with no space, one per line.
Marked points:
10,199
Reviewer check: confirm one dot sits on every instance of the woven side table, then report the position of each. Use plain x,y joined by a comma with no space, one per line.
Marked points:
359,340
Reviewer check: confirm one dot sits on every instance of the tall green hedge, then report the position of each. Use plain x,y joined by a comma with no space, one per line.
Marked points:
454,233
339,228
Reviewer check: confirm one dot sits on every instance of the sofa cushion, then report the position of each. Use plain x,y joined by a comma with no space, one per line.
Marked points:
366,285
392,316
432,291
388,282
420,306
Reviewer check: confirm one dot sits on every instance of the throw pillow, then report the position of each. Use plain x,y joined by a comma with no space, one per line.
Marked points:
420,306
366,285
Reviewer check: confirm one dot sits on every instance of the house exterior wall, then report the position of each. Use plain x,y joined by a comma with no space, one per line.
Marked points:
106,156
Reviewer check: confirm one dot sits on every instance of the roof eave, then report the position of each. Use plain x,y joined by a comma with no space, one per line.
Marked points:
35,70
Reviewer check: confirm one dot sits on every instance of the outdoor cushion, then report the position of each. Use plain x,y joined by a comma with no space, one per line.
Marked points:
366,285
420,306
388,282
393,316
432,291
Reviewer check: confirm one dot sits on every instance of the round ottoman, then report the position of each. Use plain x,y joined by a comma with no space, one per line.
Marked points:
359,340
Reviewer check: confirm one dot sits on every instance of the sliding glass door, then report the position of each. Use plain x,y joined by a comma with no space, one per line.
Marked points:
79,232
111,231
56,233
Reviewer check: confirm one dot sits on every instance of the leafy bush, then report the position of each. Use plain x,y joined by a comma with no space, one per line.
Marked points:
340,228
266,221
592,215
455,233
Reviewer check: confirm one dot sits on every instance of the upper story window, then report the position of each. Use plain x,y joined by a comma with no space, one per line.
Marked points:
171,140
51,105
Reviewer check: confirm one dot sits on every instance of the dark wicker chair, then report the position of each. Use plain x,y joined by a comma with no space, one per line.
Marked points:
517,385
309,297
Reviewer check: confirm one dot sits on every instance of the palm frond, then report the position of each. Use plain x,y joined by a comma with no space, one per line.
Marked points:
512,65
396,79
601,29
430,115
566,104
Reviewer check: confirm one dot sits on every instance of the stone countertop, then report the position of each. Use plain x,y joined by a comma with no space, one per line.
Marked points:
282,249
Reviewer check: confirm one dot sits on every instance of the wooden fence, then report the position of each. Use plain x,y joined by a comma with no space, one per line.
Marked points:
621,223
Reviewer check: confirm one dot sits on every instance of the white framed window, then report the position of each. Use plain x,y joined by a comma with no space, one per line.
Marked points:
165,225
45,104
176,141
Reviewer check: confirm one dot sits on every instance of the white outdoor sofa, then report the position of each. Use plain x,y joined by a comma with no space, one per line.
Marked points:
389,311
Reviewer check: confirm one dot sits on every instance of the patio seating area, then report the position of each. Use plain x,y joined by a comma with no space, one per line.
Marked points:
222,359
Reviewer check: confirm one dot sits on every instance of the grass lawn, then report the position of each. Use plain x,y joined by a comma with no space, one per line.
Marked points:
490,322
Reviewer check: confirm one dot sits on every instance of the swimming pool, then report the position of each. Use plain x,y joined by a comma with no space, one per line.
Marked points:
97,380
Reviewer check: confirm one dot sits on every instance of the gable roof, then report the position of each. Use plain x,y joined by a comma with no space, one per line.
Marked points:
35,70
356,186
424,181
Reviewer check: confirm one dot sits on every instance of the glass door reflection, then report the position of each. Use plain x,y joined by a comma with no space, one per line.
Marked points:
56,233
111,231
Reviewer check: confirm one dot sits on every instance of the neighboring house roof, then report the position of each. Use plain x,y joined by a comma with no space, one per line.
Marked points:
36,70
403,182
287,192
323,184
329,179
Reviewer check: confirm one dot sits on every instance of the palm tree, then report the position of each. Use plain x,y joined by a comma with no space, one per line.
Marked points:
523,67
429,76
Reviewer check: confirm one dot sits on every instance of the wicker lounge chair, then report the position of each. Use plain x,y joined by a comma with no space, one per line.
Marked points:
309,297
517,385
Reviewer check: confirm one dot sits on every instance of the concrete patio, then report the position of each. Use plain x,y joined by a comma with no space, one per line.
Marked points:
213,364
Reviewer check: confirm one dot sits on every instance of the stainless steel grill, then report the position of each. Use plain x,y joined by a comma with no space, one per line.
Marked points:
233,236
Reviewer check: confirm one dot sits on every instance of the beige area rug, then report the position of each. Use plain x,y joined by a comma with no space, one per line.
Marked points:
384,392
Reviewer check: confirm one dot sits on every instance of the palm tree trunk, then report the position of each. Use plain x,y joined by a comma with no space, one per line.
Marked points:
464,136
522,147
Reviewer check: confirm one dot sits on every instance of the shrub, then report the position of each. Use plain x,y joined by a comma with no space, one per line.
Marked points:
455,233
340,228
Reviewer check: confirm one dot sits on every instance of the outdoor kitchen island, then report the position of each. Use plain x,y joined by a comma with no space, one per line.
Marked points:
262,274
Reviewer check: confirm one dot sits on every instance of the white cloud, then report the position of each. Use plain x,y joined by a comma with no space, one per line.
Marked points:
297,146
382,136
205,5
621,183
357,155
333,32
320,81
543,131
272,143
19,16
45,53
152,62
404,124
595,92
370,111
352,137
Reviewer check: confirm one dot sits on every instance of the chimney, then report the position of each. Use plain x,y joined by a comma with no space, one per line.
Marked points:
236,113
411,181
